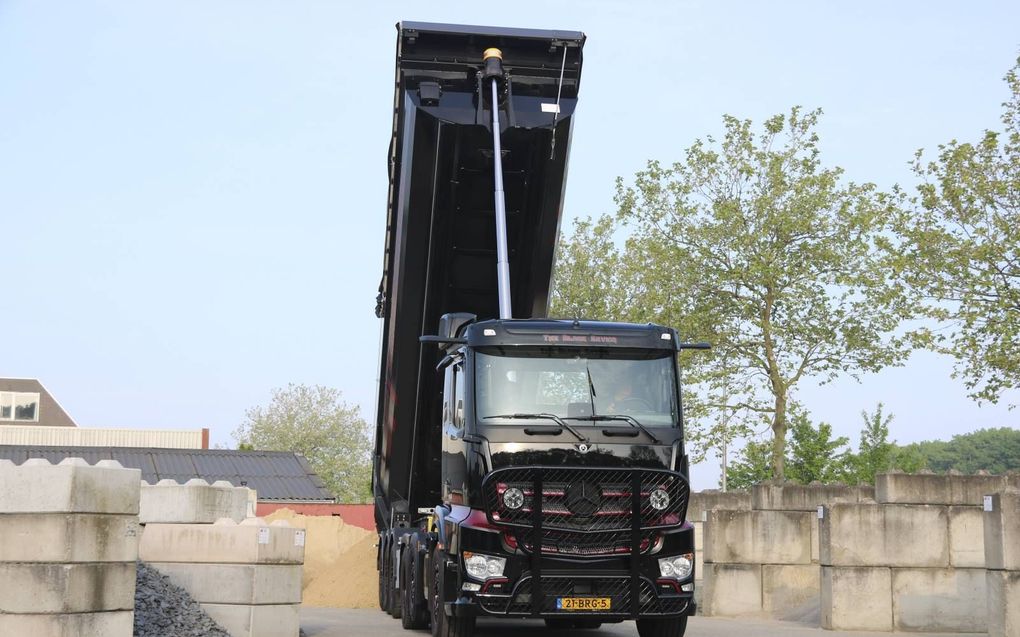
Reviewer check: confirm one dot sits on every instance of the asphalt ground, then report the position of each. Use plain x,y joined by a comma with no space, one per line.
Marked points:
341,622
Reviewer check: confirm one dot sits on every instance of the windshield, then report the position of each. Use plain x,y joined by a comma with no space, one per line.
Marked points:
582,387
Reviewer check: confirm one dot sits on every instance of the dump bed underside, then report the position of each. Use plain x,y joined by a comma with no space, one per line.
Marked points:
440,234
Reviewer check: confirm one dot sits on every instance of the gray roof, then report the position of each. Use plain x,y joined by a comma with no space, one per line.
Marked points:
276,475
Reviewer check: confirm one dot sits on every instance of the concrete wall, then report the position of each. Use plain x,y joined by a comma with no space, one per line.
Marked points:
1001,528
246,576
764,560
68,546
700,504
913,560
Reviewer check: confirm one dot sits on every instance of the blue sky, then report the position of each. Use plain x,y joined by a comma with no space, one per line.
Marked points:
192,194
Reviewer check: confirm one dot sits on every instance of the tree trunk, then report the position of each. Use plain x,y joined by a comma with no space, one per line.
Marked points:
779,437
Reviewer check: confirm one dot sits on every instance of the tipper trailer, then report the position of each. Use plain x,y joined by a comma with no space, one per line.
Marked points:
524,467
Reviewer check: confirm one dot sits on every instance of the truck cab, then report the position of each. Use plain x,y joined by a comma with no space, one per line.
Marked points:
588,415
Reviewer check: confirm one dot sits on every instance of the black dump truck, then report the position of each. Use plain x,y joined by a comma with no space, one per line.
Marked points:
524,466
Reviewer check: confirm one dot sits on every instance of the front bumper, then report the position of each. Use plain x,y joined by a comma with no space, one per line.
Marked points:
554,553
652,600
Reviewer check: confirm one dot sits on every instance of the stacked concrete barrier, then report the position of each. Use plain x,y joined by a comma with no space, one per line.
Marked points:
912,561
700,504
194,502
246,576
765,560
68,547
1002,558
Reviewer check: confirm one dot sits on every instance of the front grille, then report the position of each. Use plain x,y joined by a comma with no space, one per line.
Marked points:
571,543
617,589
587,500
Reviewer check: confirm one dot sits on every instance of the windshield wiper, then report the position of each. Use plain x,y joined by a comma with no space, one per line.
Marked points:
559,421
591,388
623,418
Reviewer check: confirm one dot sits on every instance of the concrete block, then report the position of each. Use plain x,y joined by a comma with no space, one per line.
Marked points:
939,600
884,535
73,486
66,588
815,549
256,621
801,497
788,588
195,502
929,488
731,590
702,502
758,537
236,583
966,537
112,624
251,542
699,549
856,598
1001,530
1003,589
73,537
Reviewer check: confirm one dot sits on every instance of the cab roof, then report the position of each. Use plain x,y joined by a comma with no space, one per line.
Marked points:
569,333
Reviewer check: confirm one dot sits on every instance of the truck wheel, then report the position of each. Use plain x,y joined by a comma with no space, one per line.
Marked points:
665,627
383,605
392,594
443,625
414,613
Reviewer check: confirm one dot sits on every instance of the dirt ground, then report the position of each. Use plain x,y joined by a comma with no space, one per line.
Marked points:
339,567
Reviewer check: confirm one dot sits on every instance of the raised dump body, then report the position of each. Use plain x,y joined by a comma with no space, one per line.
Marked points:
440,235
525,467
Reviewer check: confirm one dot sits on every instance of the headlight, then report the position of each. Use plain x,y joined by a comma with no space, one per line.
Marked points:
513,498
659,499
483,567
678,567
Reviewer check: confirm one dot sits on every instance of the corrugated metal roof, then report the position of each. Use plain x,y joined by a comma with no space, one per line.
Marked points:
275,475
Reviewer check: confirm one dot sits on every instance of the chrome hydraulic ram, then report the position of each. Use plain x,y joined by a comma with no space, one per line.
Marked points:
494,69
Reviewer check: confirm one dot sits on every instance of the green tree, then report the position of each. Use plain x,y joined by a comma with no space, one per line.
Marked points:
875,453
315,422
752,466
908,459
751,243
814,454
590,280
961,251
992,450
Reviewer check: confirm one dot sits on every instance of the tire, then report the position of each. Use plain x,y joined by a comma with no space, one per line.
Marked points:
383,605
392,594
442,625
414,609
665,627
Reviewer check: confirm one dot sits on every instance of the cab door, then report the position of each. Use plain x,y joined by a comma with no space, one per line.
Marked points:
454,464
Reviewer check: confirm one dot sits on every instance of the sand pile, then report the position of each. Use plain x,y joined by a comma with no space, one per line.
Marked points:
339,561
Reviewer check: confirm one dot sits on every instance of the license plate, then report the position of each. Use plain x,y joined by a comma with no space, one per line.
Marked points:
583,603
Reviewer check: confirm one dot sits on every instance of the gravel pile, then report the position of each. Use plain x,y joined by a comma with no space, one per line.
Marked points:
163,609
